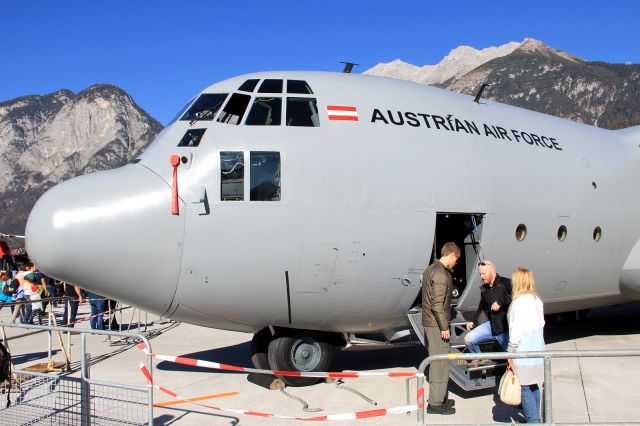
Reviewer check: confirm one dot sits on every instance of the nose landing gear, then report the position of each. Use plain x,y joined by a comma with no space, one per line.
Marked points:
301,351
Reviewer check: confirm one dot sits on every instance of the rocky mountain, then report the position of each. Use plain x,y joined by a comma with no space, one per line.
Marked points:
47,139
458,62
535,76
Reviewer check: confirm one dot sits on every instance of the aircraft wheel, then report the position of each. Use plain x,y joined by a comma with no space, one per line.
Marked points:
260,348
300,353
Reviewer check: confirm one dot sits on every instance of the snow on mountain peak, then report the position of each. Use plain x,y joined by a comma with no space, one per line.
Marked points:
458,62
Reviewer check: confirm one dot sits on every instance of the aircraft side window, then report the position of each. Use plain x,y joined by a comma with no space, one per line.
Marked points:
234,109
521,232
205,107
265,112
265,176
192,137
249,85
302,112
271,86
231,176
299,86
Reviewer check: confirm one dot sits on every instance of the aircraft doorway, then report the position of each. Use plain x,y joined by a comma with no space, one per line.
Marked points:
464,229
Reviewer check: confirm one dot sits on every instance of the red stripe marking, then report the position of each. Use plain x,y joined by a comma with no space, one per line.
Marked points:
341,108
146,373
371,413
141,346
257,413
187,361
313,419
165,390
286,373
344,375
421,406
343,117
420,392
402,374
231,367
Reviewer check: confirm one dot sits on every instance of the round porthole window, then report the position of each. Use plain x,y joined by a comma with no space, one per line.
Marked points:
597,234
521,232
562,233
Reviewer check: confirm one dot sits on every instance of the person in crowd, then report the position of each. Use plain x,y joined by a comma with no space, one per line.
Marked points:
72,299
112,322
436,317
17,296
43,284
5,282
98,304
33,291
36,306
51,290
526,324
495,297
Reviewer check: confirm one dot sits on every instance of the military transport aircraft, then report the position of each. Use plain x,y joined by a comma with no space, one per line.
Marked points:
304,206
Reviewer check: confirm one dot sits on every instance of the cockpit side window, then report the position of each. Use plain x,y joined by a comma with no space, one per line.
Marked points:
265,176
231,176
205,107
299,86
302,112
265,112
192,137
234,109
249,85
271,86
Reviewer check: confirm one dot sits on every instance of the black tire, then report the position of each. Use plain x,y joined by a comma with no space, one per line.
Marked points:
300,353
260,348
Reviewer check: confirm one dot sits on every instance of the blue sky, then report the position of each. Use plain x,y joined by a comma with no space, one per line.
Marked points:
163,52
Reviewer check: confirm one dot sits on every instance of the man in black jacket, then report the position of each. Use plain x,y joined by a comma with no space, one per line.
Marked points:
495,298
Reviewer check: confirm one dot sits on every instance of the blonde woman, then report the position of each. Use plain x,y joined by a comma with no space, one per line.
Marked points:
526,323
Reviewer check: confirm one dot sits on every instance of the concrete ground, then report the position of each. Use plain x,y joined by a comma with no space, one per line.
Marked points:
584,390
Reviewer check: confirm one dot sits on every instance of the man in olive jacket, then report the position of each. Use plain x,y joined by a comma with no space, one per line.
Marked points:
436,318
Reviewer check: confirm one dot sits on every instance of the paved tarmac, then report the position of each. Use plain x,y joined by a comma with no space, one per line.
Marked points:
584,390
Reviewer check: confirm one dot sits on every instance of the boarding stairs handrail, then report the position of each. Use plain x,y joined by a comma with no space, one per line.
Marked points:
545,355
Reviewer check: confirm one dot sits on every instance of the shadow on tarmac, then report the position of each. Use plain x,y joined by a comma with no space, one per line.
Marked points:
619,320
32,356
238,355
614,320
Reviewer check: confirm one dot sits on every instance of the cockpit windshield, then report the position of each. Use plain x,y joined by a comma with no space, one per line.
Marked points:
205,108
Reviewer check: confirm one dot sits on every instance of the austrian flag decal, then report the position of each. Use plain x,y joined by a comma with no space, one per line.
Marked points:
341,112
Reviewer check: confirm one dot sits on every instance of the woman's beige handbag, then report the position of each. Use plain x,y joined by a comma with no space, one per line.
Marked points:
509,388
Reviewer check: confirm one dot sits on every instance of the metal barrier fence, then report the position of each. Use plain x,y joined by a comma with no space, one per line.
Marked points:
46,398
545,355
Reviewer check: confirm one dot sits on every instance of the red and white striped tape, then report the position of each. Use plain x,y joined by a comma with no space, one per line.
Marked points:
344,416
316,374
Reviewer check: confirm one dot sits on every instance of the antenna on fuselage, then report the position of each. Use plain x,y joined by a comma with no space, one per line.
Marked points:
348,66
484,86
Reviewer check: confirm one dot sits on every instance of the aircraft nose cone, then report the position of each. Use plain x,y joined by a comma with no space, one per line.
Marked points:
112,233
